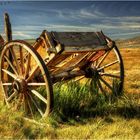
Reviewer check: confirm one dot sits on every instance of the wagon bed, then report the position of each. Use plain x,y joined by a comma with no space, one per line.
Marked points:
28,72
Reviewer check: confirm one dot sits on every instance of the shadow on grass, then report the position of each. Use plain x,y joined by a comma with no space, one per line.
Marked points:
73,101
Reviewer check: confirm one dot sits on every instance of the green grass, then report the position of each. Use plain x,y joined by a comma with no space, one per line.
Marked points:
78,113
74,99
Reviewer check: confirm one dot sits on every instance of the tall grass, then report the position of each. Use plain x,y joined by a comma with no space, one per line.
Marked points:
75,100
73,103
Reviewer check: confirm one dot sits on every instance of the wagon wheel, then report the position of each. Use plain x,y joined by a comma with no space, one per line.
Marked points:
25,80
107,73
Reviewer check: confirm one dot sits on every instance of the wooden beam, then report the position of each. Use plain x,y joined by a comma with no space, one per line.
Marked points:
1,43
66,75
8,29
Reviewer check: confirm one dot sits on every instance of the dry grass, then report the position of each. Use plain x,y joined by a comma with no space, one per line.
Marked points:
102,128
131,57
122,121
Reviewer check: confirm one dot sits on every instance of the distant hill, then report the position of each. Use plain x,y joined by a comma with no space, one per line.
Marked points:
30,41
131,42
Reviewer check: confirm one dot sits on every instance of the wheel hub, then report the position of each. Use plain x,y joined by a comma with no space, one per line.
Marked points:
91,72
20,85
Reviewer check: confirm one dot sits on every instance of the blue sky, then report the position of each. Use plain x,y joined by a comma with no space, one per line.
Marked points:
117,19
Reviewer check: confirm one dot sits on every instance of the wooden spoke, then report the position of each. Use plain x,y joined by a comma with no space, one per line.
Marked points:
11,96
27,65
108,65
15,59
34,102
32,73
7,84
25,104
94,86
39,96
30,107
36,84
100,86
106,83
9,62
114,72
95,63
103,58
16,104
10,73
21,59
110,75
80,78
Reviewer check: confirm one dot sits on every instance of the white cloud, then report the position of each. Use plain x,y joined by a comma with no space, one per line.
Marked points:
84,13
87,14
21,34
126,34
102,22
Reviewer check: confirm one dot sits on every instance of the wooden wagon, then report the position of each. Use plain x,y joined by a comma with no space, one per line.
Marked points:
28,72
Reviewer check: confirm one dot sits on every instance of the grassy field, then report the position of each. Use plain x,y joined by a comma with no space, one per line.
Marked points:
132,69
80,115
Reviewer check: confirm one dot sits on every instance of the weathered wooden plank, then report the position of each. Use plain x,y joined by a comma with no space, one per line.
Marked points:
57,59
66,75
81,39
71,63
84,48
